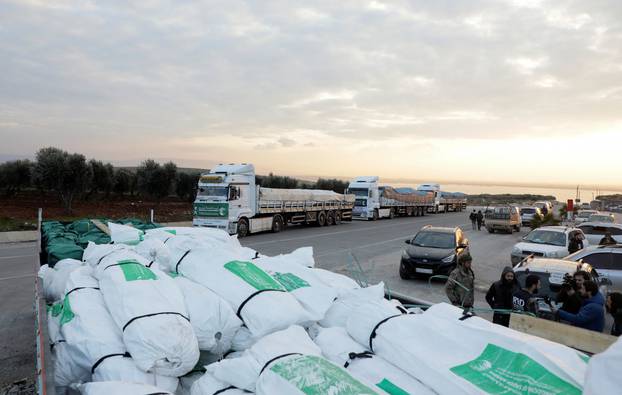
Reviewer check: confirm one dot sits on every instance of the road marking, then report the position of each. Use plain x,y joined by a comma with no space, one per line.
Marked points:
366,245
18,256
315,236
16,277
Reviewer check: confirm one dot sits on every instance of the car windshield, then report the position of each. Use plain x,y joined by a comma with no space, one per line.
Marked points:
600,218
540,236
214,191
435,240
359,191
527,210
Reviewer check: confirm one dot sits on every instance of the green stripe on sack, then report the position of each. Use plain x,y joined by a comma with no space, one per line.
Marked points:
135,271
67,314
253,276
390,388
501,371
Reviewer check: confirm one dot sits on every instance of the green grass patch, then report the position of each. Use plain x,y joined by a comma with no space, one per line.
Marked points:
10,225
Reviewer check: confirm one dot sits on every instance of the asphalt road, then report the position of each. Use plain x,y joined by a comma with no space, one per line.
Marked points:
370,251
17,324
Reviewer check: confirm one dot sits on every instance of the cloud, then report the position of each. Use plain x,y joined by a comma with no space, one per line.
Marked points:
287,142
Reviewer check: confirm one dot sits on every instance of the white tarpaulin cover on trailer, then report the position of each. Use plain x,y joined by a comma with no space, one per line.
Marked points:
274,194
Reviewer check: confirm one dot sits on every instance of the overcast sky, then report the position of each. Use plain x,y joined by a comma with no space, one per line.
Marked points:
520,91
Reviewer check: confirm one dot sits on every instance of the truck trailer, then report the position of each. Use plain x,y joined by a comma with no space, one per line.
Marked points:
444,201
374,201
228,199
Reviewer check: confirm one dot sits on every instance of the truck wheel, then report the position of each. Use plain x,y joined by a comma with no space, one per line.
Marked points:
337,218
490,230
242,227
375,217
436,210
391,214
330,218
277,224
321,218
409,211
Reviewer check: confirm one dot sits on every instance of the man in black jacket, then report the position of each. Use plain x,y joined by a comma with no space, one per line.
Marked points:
575,243
500,294
614,307
523,299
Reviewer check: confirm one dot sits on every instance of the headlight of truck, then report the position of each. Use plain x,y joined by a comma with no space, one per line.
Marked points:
449,258
516,251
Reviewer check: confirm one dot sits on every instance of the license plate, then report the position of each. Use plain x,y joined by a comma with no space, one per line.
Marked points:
423,270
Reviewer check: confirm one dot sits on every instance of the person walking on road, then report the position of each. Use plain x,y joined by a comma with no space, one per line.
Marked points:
473,218
459,286
523,299
500,295
480,219
607,240
591,316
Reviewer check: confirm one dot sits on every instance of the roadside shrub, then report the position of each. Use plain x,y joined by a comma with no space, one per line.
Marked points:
186,187
103,177
154,180
122,181
331,184
14,176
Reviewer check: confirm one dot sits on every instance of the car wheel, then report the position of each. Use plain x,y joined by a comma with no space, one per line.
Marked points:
403,273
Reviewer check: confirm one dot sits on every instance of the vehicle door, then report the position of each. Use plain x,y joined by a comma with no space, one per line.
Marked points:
603,263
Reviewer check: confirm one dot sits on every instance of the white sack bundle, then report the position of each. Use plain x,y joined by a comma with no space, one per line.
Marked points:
120,388
92,347
341,308
260,301
603,374
287,362
214,322
208,385
290,271
337,346
149,308
470,355
124,234
54,278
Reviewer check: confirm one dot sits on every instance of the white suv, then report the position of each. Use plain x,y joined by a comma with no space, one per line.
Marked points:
547,241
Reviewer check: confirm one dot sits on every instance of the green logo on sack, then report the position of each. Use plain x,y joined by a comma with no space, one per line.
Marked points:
66,314
314,375
253,275
290,281
219,210
135,271
56,309
390,388
501,371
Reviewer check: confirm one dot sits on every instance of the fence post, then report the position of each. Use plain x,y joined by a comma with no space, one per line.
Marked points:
39,220
151,216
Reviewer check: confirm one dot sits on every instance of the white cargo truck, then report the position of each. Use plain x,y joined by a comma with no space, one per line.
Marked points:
444,201
228,199
374,201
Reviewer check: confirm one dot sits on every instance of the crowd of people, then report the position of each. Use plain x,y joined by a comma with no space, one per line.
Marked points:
582,304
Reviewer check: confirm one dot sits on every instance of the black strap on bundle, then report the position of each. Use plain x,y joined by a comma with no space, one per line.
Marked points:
56,342
220,391
466,316
256,255
372,336
276,358
239,312
79,288
151,315
181,259
102,359
103,256
150,263
353,355
124,263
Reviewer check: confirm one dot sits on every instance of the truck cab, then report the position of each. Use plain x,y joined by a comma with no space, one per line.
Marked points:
367,197
225,194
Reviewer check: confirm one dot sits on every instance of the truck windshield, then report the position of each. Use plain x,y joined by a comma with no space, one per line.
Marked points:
546,237
359,191
527,210
435,240
214,191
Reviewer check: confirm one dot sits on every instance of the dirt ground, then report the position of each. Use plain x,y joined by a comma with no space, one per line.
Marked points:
21,210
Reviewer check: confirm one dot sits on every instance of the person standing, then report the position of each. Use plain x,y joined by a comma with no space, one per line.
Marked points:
575,243
591,316
480,219
523,299
607,240
614,307
473,218
459,286
500,295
